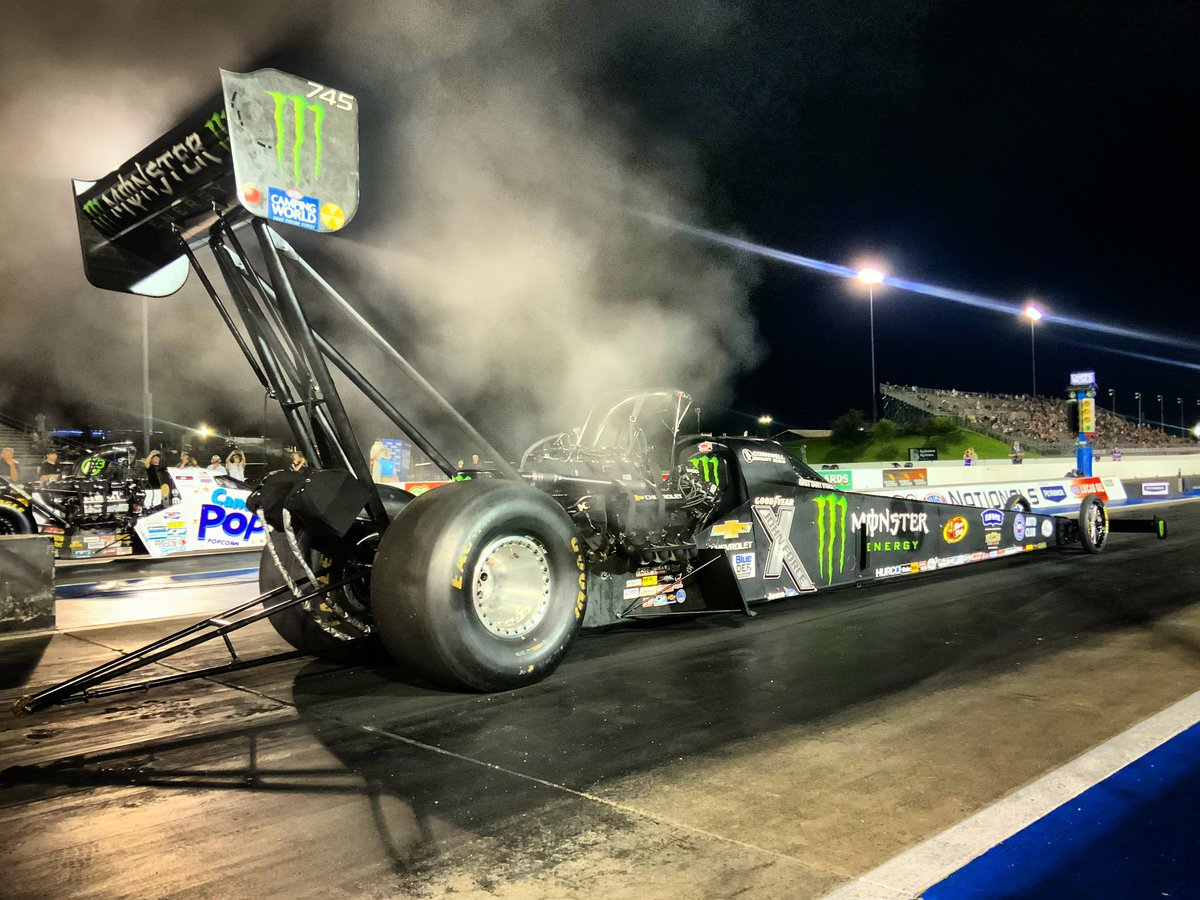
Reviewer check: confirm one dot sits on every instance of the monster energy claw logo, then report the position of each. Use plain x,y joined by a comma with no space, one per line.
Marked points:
831,530
708,468
300,107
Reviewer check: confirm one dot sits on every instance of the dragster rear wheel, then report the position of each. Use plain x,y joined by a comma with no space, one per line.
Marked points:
1093,524
13,520
332,626
480,585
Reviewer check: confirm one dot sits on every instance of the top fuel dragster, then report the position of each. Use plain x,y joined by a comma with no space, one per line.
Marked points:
484,583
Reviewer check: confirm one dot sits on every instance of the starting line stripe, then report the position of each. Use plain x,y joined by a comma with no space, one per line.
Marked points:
932,861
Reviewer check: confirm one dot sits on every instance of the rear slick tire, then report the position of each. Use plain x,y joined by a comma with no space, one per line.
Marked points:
480,585
1093,524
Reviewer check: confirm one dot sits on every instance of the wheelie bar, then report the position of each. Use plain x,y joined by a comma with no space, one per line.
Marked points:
1155,525
82,688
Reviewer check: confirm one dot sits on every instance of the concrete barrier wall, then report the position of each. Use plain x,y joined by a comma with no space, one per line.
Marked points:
873,476
26,582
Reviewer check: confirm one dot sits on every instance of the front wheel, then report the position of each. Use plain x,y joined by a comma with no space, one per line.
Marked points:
480,585
1093,524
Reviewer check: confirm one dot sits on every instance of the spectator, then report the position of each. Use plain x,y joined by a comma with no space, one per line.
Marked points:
235,465
299,463
9,467
186,461
48,470
156,477
1116,454
970,457
1018,454
215,467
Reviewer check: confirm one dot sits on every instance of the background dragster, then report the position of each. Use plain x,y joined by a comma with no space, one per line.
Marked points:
484,583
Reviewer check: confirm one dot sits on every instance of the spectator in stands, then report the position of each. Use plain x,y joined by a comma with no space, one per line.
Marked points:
970,457
48,470
235,465
186,461
1116,454
9,467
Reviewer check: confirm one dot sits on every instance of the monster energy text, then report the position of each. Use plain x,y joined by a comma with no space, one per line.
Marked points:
146,180
831,533
300,108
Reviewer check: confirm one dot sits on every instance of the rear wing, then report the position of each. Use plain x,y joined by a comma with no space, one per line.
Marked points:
272,145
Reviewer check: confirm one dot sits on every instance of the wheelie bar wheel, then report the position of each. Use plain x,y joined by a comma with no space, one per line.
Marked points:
480,585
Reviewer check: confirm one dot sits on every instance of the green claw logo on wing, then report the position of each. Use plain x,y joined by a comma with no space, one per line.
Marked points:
708,467
831,530
300,108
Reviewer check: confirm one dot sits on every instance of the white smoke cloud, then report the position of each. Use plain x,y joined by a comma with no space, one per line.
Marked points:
501,201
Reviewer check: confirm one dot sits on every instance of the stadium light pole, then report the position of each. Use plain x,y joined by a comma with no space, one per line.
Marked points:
1162,425
764,425
147,399
871,277
1179,400
1138,397
1033,314
1112,395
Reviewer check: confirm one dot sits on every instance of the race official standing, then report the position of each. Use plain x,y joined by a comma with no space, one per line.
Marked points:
156,476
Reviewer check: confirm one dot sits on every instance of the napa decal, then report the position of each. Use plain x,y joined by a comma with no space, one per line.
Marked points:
955,530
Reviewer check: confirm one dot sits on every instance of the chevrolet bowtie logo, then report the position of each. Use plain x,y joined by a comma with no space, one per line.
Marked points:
730,528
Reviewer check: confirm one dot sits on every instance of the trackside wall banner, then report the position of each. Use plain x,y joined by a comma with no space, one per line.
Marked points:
210,516
1061,495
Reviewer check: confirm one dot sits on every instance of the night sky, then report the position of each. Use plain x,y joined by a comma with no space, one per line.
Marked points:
1015,150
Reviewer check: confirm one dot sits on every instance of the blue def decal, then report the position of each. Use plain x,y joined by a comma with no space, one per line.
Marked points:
293,208
992,518
1054,493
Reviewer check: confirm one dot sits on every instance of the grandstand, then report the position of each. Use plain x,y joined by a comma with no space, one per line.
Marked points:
1039,423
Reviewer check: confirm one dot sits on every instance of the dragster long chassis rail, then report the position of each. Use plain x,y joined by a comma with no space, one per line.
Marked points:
80,688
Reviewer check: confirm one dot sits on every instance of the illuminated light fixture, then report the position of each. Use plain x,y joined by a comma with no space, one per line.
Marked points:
1196,431
765,420
870,276
204,431
1032,313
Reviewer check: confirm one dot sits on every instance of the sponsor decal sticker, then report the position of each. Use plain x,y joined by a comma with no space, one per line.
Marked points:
1155,489
1018,528
708,466
743,565
842,479
777,523
292,208
1055,493
992,518
252,194
730,528
905,546
763,456
333,216
934,498
955,530
831,533
1081,487
1047,527
705,447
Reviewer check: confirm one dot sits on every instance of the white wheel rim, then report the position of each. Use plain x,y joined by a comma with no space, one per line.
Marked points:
510,586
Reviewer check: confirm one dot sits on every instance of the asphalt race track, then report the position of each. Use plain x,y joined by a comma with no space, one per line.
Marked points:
782,755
